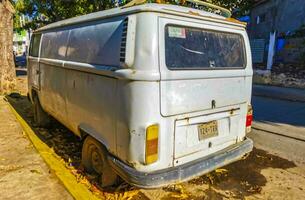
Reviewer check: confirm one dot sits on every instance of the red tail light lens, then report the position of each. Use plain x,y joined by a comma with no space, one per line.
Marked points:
249,119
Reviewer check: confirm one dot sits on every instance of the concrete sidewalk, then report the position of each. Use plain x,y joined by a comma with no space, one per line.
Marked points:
23,173
290,94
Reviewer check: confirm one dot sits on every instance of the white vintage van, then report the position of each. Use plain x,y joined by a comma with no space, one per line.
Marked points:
160,94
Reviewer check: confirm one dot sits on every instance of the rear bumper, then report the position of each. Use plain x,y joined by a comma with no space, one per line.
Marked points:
184,172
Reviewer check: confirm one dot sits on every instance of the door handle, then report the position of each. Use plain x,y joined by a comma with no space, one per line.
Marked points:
213,104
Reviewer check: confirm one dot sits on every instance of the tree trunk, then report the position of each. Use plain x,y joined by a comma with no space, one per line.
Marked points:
7,67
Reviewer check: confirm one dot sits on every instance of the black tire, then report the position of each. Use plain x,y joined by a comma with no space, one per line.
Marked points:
41,118
94,160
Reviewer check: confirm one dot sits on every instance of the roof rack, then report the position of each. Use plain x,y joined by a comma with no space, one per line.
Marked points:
225,12
134,3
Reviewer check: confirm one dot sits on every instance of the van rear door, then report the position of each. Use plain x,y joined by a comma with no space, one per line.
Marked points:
205,68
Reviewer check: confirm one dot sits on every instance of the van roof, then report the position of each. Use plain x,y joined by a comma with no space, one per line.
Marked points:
148,7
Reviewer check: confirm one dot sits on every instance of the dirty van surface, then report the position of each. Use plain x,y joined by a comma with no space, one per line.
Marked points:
259,176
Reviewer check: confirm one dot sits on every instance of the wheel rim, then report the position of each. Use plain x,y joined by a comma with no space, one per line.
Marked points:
97,160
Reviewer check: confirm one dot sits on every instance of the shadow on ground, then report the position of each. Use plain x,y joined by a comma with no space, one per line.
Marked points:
244,178
235,181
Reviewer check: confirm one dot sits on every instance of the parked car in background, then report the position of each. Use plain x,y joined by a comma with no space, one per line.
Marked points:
20,61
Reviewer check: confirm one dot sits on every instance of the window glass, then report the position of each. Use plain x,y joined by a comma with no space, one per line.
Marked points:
98,43
35,43
54,44
191,48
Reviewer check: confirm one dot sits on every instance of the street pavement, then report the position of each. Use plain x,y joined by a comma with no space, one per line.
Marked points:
279,111
279,125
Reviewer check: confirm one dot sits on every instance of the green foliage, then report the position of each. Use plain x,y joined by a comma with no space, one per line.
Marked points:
17,25
42,12
47,11
238,7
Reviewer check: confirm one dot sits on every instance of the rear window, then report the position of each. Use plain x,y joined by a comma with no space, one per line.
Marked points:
194,48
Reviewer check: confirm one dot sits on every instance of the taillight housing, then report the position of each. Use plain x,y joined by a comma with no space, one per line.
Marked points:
152,144
249,119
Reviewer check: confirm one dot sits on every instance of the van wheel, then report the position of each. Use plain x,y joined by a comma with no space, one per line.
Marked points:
41,118
94,160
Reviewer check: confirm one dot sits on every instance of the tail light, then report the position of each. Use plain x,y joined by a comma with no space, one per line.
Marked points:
151,151
249,119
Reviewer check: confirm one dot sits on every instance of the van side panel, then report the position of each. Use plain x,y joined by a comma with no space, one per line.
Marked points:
52,74
91,106
52,95
72,90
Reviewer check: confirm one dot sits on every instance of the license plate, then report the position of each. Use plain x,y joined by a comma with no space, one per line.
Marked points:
207,130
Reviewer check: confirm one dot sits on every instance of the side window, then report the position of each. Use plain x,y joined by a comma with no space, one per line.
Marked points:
35,43
54,45
98,43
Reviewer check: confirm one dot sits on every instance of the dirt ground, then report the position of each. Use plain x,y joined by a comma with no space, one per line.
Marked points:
260,176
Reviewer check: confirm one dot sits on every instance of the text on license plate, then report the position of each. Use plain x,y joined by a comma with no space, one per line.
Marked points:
207,130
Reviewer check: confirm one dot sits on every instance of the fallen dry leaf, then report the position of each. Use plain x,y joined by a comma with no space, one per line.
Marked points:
8,168
35,171
221,171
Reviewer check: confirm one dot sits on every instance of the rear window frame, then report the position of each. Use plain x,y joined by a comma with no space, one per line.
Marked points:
204,68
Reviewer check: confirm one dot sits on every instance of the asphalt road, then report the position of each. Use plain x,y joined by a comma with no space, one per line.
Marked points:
279,111
279,127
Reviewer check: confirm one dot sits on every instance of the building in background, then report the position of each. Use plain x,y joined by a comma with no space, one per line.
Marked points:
277,31
21,41
21,37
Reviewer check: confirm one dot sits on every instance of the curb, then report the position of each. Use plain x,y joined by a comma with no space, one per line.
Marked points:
281,130
76,189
